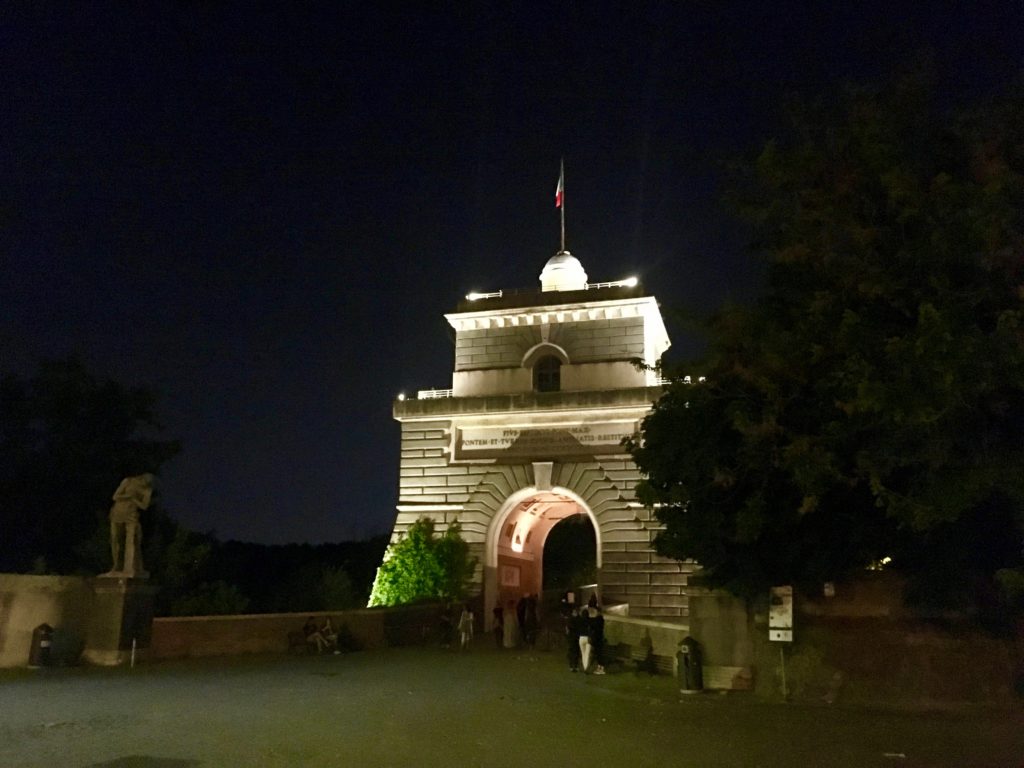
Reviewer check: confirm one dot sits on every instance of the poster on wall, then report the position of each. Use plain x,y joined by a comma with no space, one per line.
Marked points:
780,614
510,575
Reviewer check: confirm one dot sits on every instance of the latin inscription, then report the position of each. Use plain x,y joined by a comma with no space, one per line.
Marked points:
478,442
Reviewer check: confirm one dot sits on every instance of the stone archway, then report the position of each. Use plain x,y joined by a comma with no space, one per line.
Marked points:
514,551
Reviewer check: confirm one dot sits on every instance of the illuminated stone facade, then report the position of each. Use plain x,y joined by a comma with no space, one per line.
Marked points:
545,386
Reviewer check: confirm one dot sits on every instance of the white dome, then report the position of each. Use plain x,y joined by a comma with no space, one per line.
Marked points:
563,272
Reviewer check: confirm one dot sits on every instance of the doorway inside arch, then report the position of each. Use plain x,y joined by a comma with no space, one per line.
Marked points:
570,554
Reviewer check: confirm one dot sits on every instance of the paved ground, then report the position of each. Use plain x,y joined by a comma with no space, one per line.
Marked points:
429,707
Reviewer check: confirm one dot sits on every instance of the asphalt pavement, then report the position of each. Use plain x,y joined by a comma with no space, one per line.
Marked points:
439,707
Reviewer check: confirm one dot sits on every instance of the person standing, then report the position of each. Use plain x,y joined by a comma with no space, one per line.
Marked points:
596,626
521,619
446,626
509,625
466,621
584,641
499,624
532,622
573,627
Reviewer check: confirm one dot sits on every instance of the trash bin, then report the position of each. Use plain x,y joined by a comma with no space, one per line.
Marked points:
691,675
42,642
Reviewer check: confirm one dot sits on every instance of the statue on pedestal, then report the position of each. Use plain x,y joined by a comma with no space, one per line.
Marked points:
132,496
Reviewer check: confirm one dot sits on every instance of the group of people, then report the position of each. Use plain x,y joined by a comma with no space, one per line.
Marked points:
323,636
584,630
516,622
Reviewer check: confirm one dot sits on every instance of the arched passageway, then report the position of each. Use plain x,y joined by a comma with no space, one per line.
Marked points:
570,554
517,548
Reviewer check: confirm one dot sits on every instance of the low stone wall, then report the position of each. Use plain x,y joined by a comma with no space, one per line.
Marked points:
646,642
722,625
26,602
193,636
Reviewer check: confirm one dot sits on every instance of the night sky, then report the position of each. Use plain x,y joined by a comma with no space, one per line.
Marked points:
263,214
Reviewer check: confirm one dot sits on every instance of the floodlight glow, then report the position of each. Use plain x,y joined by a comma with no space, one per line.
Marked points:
401,395
629,282
476,295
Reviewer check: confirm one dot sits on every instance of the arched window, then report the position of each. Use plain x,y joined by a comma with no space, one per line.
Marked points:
547,374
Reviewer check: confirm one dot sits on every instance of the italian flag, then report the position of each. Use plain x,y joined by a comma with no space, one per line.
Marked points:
560,189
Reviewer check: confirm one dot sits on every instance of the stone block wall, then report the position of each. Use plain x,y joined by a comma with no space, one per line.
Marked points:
474,494
584,341
644,642
27,601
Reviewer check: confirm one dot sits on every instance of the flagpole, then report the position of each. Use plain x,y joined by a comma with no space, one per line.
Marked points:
561,172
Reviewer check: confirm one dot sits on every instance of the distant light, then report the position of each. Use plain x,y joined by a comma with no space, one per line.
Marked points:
401,395
877,565
631,282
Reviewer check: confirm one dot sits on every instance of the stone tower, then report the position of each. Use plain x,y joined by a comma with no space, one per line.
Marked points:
545,386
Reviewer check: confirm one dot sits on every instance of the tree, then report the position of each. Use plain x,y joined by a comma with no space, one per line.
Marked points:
315,586
422,565
66,441
871,403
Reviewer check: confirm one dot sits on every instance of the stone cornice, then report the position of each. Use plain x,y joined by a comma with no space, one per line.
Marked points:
580,311
532,402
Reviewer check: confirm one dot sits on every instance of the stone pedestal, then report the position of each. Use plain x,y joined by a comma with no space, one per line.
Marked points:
122,611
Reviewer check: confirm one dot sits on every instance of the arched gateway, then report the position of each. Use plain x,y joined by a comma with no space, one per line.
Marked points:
545,387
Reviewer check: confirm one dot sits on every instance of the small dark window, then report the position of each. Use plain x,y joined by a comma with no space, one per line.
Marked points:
547,374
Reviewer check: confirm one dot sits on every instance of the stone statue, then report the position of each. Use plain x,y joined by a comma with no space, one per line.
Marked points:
131,496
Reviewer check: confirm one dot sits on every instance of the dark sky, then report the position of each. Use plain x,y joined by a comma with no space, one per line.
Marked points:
264,213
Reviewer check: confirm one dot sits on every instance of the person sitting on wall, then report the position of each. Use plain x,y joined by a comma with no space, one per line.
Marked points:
313,635
329,635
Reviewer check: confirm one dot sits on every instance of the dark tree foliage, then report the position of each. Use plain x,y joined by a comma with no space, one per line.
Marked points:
299,577
66,441
871,403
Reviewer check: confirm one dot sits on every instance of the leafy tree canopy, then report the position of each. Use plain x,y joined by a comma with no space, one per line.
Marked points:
422,565
871,403
66,441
